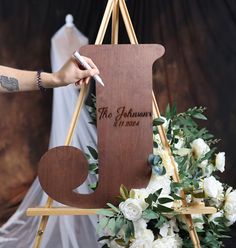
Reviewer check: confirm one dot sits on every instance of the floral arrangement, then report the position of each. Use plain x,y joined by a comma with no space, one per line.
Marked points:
146,218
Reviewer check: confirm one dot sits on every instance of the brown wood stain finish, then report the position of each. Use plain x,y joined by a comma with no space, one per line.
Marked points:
124,127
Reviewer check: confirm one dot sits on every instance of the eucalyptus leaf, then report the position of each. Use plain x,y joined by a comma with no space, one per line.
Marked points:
93,186
200,116
176,197
155,145
113,208
161,221
93,167
93,152
149,214
104,238
105,246
158,121
163,209
158,192
124,192
119,224
163,200
112,225
87,156
168,112
155,130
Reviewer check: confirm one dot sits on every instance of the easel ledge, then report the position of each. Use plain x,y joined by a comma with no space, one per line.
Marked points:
42,211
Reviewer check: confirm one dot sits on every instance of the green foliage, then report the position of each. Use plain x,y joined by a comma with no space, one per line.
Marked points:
105,212
92,158
124,192
93,152
182,127
155,205
92,110
158,121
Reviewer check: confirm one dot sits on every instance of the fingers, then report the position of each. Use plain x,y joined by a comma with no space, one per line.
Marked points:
90,62
87,80
88,73
94,69
82,73
82,81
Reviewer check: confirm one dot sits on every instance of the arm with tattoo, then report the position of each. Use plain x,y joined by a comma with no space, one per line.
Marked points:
13,80
9,83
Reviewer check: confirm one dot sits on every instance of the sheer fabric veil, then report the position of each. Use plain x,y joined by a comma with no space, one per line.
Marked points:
64,231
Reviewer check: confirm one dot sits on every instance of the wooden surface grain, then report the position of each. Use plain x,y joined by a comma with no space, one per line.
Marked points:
124,127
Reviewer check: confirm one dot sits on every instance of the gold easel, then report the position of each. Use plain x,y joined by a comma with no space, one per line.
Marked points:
113,7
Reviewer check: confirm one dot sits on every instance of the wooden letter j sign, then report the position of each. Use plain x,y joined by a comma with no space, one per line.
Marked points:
124,128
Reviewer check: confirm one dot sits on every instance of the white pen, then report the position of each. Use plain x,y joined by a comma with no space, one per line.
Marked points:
82,61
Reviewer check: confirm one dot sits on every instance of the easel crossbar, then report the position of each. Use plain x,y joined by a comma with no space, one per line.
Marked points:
57,211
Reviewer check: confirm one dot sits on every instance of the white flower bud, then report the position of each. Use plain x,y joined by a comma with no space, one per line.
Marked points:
199,148
220,161
212,187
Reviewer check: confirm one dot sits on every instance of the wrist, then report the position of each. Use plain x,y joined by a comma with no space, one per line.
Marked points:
50,80
56,80
39,82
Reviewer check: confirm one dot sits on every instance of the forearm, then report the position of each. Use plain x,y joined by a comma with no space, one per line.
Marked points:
19,80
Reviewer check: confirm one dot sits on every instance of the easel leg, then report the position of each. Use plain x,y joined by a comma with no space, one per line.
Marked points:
133,40
80,102
115,23
42,225
104,23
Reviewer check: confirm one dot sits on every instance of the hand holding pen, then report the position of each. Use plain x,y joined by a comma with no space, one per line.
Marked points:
87,64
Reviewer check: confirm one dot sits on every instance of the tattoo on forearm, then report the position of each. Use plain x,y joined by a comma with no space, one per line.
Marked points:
9,83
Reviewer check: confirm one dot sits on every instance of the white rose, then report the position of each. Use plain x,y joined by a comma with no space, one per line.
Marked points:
140,195
173,241
212,217
145,234
230,203
231,218
142,233
199,148
220,161
157,182
212,187
141,243
131,209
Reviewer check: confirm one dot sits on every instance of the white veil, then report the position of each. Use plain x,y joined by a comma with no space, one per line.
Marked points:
64,231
